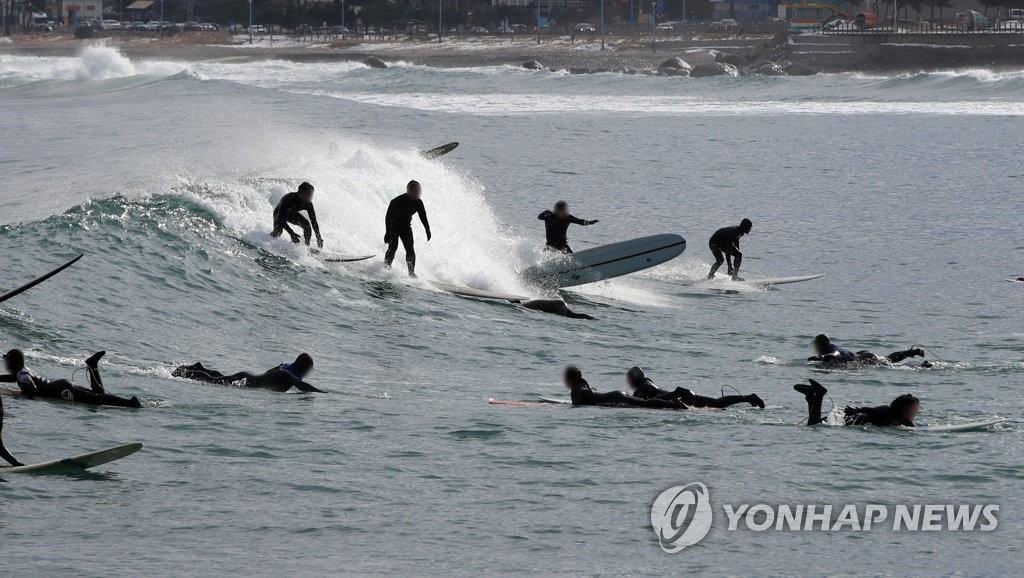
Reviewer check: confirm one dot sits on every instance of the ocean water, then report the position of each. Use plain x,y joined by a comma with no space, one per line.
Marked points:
904,191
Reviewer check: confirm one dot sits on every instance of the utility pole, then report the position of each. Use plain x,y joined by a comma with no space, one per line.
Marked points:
654,28
440,22
250,21
602,24
538,21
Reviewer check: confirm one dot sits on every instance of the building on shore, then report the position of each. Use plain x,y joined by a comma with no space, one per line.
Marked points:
75,12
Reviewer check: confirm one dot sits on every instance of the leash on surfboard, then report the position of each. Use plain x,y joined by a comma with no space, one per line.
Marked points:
930,352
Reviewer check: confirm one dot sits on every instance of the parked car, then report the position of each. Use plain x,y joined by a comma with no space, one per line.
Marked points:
339,30
584,27
109,24
1016,14
209,26
725,24
503,29
520,28
479,30
139,26
257,29
191,27
666,27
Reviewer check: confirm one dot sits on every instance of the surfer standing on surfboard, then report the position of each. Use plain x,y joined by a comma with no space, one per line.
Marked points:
901,412
398,225
556,226
3,450
725,246
644,388
287,211
32,385
829,353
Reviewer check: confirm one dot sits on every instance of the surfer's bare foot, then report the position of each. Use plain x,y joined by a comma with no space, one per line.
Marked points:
94,360
737,278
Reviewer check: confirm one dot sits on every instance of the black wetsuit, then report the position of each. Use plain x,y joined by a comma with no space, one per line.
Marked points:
3,450
32,386
883,415
398,227
582,394
281,378
556,230
837,356
287,211
725,244
648,390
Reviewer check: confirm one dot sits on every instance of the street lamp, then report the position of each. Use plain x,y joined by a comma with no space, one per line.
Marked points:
654,27
440,3
602,24
538,21
250,21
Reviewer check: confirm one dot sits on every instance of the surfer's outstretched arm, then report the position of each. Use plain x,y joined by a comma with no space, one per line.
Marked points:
578,221
3,450
305,387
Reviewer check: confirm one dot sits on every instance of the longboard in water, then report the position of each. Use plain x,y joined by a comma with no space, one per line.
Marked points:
331,258
493,401
464,291
17,393
608,261
765,282
440,151
38,280
958,427
1017,280
82,462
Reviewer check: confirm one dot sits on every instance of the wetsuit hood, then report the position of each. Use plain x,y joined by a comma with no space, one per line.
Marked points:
636,376
15,359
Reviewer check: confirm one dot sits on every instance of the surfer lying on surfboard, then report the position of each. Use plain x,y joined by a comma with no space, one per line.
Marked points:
556,226
32,385
287,212
901,412
583,394
281,378
644,388
3,450
832,355
725,246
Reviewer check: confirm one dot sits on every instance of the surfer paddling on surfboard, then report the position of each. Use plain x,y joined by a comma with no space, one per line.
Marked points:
725,246
398,225
583,394
556,226
831,354
3,450
281,378
901,412
644,388
287,212
32,385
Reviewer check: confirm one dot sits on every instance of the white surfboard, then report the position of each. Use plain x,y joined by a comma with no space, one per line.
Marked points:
82,462
1016,280
464,291
553,400
763,282
608,261
338,258
958,427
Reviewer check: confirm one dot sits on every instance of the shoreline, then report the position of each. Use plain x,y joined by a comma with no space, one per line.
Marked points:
762,53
